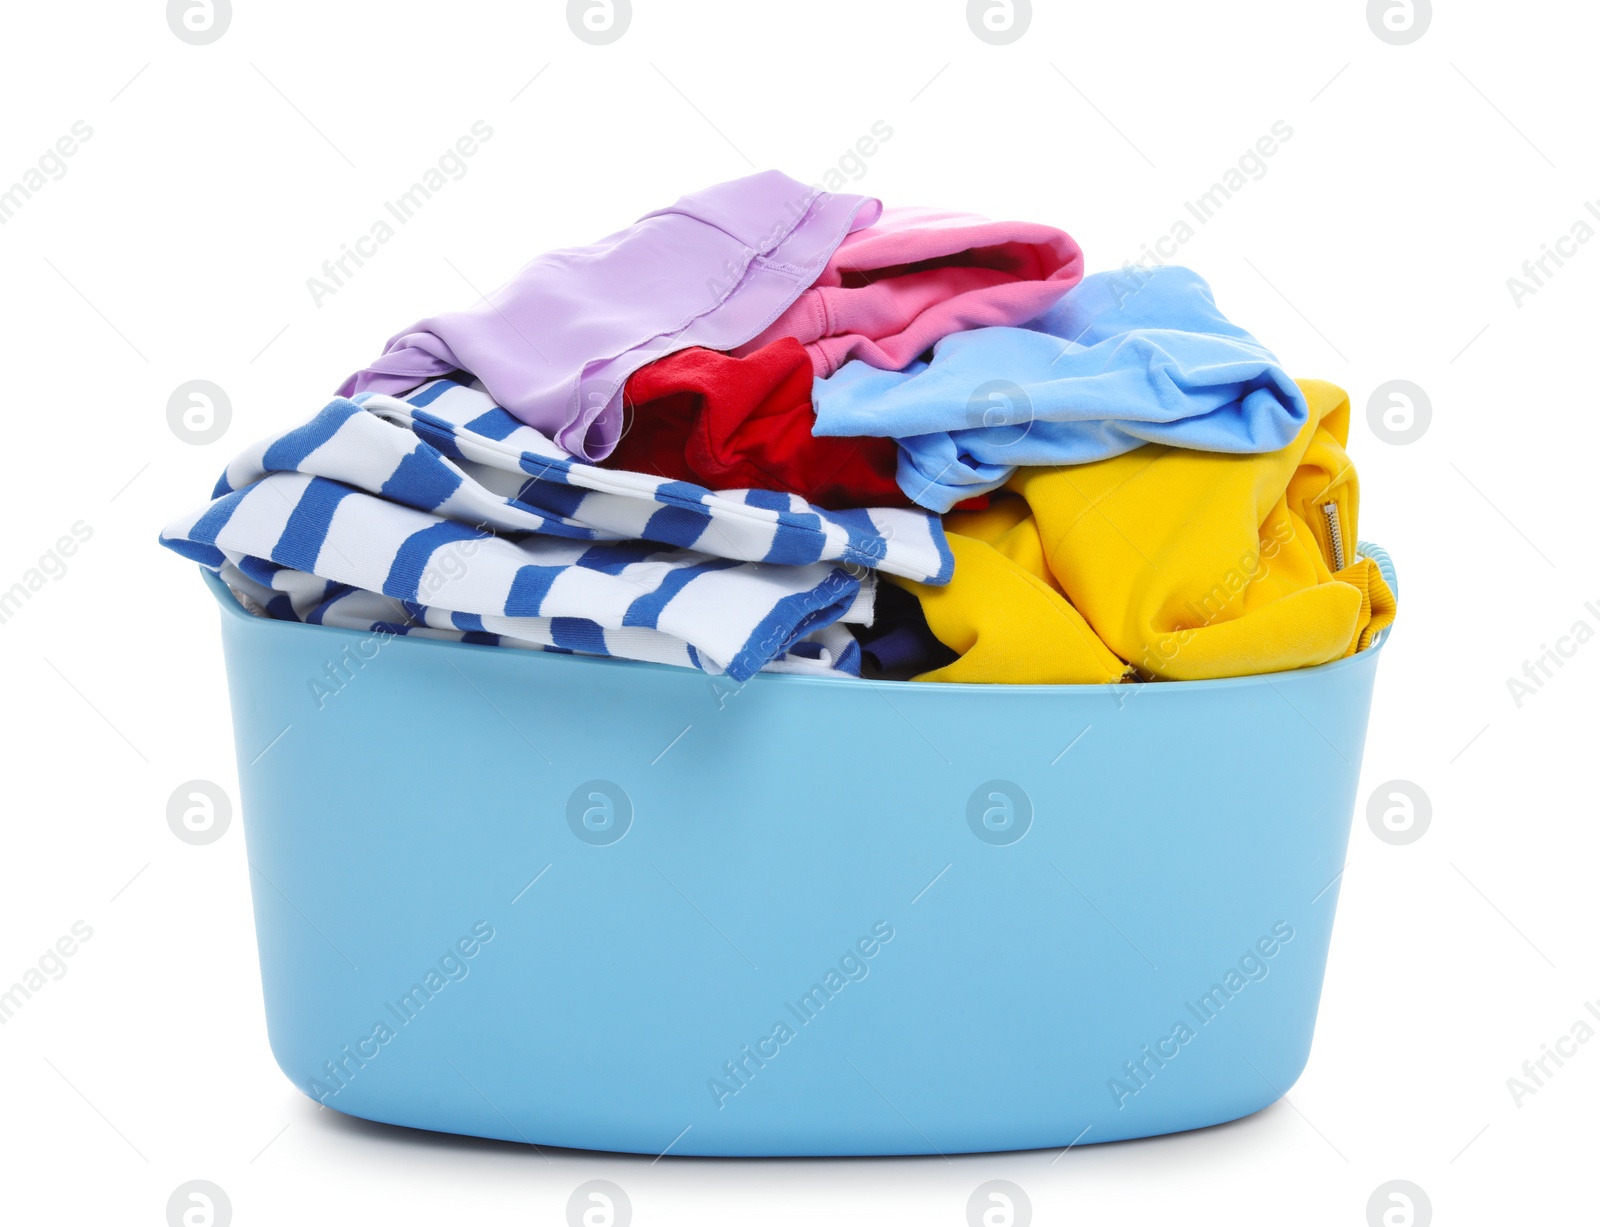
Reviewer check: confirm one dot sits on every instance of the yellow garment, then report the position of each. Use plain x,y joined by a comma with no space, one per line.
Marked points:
1003,611
1187,564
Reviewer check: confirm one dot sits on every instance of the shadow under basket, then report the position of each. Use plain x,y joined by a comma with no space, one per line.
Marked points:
592,903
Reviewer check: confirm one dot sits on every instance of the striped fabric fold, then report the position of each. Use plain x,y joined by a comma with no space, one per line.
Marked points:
441,515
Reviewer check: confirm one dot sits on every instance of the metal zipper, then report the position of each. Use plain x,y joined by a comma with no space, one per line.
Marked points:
1330,513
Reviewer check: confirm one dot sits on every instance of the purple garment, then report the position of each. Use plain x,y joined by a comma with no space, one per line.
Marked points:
555,345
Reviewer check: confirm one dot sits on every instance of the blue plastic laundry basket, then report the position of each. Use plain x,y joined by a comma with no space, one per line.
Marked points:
619,906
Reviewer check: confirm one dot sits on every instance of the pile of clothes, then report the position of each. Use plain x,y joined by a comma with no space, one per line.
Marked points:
774,428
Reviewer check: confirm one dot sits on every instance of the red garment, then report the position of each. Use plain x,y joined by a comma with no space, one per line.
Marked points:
745,423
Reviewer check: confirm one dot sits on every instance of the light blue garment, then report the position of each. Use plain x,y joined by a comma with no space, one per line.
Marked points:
1126,358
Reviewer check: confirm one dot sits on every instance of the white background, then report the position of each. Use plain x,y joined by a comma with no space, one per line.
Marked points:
1377,246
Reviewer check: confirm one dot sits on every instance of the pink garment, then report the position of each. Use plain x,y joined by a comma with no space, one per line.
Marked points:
893,289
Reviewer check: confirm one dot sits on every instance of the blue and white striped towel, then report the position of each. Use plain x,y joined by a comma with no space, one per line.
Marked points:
443,515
